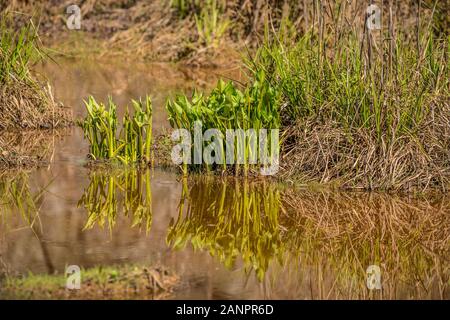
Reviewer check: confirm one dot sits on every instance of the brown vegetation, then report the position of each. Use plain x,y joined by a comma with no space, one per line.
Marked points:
26,149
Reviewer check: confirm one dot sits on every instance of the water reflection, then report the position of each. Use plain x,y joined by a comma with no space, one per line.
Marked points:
127,191
16,196
230,219
231,238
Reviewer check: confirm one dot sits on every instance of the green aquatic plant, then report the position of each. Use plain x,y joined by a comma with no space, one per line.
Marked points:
132,144
231,220
111,193
227,107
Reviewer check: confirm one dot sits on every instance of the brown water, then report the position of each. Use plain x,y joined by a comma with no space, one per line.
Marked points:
225,238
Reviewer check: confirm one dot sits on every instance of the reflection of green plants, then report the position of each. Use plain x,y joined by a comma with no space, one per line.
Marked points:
286,237
129,191
228,108
230,220
16,195
132,144
210,27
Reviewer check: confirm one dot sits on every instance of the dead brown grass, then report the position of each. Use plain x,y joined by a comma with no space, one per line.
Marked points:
27,106
318,152
153,30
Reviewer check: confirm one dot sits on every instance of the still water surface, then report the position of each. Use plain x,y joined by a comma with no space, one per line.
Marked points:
227,239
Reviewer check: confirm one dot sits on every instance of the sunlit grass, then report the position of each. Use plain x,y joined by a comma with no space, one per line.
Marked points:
129,144
18,49
225,108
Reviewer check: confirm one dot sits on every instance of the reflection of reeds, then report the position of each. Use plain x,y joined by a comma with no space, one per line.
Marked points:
108,193
231,220
26,149
347,232
17,196
319,243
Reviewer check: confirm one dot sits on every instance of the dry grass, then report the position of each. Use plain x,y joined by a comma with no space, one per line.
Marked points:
328,153
24,102
158,31
25,106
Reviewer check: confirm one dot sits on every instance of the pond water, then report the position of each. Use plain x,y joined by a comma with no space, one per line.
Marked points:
226,238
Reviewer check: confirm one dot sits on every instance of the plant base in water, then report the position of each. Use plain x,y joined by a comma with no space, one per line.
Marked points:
131,144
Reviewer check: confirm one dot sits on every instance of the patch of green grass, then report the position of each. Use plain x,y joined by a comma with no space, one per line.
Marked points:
211,27
367,110
389,97
184,7
103,282
18,48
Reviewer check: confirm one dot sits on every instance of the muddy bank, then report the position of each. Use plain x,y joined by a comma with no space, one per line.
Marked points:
101,283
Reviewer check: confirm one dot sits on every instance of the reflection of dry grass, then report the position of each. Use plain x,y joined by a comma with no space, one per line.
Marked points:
320,242
27,148
17,196
408,238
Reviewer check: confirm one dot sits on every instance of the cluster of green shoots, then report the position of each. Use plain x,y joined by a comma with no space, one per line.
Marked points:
130,144
17,49
210,25
227,107
183,7
109,193
208,15
230,220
